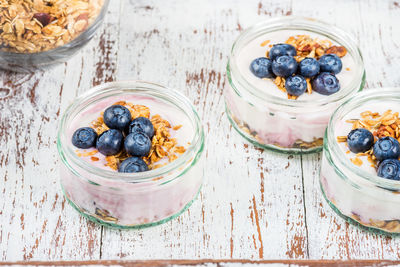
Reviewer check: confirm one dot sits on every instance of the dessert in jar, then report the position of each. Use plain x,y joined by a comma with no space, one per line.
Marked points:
37,33
131,154
360,172
286,77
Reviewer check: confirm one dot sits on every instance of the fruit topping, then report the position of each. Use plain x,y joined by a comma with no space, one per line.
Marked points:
309,67
133,164
296,85
137,144
325,84
389,169
309,57
284,66
142,124
147,143
360,140
386,148
117,117
84,137
262,67
279,50
330,63
110,142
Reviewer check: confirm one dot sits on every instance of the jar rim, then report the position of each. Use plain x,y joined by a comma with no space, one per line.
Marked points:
297,23
390,93
184,161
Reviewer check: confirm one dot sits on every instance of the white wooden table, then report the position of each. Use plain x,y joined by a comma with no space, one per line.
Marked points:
254,204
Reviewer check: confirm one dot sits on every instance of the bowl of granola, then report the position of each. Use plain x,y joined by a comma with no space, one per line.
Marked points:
131,154
35,34
360,171
286,77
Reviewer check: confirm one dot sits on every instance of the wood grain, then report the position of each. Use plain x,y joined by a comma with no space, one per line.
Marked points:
254,204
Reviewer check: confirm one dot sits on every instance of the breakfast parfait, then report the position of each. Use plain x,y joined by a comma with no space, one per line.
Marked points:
131,154
286,77
360,175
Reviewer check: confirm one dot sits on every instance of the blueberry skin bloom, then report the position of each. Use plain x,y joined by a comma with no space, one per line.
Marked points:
262,67
279,50
387,148
284,66
110,142
84,137
117,117
330,63
137,144
325,84
296,85
360,140
133,164
389,169
142,124
309,67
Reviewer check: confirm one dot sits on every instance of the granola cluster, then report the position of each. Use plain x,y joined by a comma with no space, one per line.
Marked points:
162,145
390,226
306,47
31,26
380,125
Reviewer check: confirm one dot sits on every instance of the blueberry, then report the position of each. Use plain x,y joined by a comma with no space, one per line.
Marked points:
137,144
133,164
284,66
309,67
360,140
142,124
117,117
389,169
325,84
110,142
330,63
282,50
84,137
261,67
387,148
296,85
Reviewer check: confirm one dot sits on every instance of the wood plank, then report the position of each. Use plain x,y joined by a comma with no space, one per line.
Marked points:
36,221
209,263
251,203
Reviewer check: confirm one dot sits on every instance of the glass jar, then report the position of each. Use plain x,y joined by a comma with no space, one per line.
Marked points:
355,193
277,123
35,34
132,200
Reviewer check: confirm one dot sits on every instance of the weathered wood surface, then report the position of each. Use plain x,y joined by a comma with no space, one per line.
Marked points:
254,205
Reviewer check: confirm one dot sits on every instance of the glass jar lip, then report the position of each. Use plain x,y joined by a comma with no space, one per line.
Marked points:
299,23
390,93
73,42
191,154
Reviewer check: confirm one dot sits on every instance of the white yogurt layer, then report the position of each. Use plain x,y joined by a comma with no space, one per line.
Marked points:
254,50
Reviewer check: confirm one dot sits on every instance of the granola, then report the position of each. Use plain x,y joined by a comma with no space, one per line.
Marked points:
162,145
31,26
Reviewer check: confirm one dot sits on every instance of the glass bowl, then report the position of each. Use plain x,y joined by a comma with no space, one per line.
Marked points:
132,200
278,123
356,192
36,34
